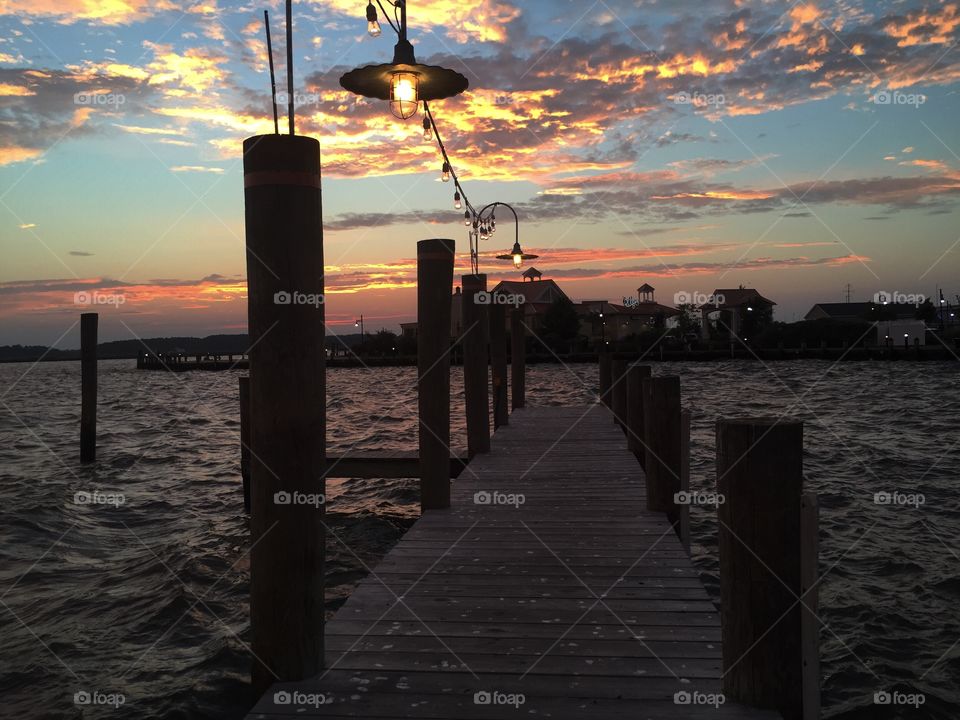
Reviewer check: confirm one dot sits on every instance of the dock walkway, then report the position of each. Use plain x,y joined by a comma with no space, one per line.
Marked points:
546,590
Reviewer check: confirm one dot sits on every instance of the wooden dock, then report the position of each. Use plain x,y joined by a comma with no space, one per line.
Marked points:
546,590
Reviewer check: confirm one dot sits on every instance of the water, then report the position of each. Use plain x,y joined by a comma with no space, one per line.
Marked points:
149,599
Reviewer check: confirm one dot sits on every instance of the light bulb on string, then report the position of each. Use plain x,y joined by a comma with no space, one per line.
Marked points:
373,24
445,172
427,130
466,219
456,201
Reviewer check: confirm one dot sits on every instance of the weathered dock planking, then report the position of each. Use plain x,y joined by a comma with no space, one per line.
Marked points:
579,599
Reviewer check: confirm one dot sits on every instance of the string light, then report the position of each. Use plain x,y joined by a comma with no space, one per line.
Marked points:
445,172
457,205
427,134
466,219
373,24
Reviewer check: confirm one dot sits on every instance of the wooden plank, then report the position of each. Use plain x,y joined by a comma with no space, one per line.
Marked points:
393,464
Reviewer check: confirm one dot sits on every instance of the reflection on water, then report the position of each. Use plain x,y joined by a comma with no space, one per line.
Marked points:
148,598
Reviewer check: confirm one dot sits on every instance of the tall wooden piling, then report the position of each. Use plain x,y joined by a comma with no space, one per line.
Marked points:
518,359
603,360
618,390
684,530
498,365
88,386
636,440
760,476
284,237
434,288
245,439
475,358
661,419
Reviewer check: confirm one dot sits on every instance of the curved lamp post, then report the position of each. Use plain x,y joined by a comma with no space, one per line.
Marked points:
485,225
404,82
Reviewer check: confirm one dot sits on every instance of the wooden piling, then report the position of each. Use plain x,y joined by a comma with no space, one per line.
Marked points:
285,277
434,288
88,386
661,419
475,358
245,440
636,440
603,360
618,390
518,359
760,476
498,365
809,585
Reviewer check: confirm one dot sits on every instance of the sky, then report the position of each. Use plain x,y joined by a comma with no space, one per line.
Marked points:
795,147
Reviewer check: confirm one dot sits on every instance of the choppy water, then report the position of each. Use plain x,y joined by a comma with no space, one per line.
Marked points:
149,599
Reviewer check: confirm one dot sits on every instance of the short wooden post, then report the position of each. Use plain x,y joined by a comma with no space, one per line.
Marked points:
434,288
518,359
760,479
245,440
88,386
498,365
661,420
618,390
636,440
285,278
810,622
606,372
685,477
475,342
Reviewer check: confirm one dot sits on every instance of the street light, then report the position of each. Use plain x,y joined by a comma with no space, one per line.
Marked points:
359,324
485,223
403,82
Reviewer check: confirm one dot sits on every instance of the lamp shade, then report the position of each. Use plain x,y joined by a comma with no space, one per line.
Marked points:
434,82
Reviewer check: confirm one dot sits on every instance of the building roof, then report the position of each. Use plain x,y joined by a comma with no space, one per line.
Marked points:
532,273
541,292
857,310
735,297
645,288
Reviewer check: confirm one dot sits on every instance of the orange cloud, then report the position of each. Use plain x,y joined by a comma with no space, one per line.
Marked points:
109,12
923,27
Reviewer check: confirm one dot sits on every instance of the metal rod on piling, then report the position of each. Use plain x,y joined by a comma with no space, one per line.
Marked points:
273,77
434,287
88,386
498,365
661,408
245,440
284,236
475,342
518,359
290,64
760,477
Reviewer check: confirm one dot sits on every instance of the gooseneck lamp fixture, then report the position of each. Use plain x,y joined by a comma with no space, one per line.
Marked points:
404,82
487,221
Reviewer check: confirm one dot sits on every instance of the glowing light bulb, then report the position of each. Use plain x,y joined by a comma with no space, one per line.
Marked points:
445,173
456,201
427,130
517,261
404,95
466,219
373,25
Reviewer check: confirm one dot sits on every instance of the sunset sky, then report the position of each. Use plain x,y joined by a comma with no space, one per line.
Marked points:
791,147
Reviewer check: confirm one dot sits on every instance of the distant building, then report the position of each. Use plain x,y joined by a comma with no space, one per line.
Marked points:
732,312
534,295
601,320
